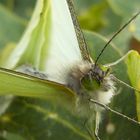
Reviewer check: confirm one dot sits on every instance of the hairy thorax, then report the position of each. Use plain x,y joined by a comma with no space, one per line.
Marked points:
90,81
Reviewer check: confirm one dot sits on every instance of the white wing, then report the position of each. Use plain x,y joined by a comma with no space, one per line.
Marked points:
64,49
21,47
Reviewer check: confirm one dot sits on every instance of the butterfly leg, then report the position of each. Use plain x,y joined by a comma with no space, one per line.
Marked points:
97,121
89,128
115,112
118,61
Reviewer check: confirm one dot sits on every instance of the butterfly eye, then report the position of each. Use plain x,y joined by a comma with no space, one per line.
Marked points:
89,82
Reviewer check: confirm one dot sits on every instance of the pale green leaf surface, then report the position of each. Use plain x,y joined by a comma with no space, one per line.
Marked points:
133,65
96,12
82,5
10,33
21,8
134,28
38,119
12,136
124,9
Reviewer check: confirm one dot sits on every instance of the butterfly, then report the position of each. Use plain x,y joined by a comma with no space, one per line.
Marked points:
72,70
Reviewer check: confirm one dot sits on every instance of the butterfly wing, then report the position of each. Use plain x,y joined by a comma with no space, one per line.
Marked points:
66,39
21,84
53,41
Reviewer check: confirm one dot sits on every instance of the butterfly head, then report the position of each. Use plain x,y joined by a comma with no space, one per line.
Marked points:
88,77
95,77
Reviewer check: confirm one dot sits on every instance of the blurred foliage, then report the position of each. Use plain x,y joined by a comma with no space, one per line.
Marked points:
36,119
133,67
21,8
107,16
13,32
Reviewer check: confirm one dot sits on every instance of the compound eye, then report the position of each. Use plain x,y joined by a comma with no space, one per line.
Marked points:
89,83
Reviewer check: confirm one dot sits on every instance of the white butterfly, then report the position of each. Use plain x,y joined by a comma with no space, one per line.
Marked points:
68,61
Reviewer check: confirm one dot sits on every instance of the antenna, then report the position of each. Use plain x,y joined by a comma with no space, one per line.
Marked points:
126,24
79,33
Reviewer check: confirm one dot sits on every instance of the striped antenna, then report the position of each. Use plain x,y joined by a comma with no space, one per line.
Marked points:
80,36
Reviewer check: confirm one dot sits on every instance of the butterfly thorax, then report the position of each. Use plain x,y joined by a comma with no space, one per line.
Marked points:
90,81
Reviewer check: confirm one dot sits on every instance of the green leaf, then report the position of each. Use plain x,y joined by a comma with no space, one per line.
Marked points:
12,136
92,18
38,119
134,28
124,9
96,43
125,12
21,8
13,32
133,65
